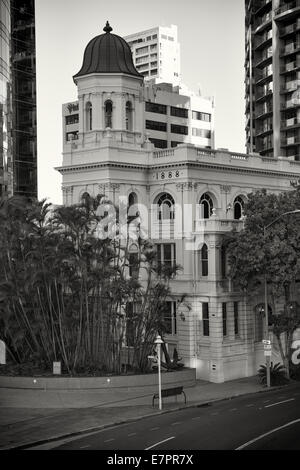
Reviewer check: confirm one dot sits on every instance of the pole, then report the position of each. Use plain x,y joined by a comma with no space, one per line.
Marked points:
159,376
267,324
267,332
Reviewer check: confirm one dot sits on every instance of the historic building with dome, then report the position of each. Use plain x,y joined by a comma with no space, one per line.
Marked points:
193,195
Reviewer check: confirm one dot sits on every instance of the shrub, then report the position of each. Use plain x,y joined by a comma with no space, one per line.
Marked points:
277,374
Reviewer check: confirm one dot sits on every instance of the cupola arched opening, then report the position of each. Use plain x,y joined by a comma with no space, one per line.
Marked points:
206,206
166,207
108,110
89,116
128,110
238,207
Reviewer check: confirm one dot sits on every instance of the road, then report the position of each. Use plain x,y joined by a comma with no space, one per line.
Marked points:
258,421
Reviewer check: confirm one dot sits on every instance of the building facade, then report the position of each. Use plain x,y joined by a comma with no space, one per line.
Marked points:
188,197
5,101
272,69
24,131
156,54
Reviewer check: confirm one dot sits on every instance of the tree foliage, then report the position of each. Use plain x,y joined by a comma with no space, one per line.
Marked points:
269,245
65,294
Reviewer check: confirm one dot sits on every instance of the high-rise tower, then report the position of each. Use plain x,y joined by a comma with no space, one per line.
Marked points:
272,79
24,97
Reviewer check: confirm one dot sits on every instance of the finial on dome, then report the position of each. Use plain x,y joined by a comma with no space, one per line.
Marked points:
107,28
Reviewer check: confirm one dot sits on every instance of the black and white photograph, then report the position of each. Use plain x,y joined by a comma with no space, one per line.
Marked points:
149,228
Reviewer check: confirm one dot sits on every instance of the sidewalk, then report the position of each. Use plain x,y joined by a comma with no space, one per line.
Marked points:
25,426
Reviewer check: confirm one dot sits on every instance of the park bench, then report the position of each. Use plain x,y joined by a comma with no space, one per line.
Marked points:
170,392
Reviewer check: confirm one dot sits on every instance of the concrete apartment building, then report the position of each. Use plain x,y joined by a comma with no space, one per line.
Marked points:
189,196
273,77
156,54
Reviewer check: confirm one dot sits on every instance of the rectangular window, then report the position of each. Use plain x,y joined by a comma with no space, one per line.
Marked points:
153,72
133,260
224,316
166,254
153,47
164,36
170,38
236,317
201,133
174,143
179,112
72,119
155,108
71,136
159,143
148,38
141,50
169,318
154,36
156,126
205,319
153,64
223,261
176,129
201,116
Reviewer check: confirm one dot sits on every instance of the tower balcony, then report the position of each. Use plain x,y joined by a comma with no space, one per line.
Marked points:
291,141
288,11
291,123
290,67
263,6
290,29
263,23
265,58
289,87
293,48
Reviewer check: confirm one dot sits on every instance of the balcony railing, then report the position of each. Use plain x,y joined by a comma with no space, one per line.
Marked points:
263,20
287,7
290,86
290,122
290,49
294,140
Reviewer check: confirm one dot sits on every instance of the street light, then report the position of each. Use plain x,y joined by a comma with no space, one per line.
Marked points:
267,336
159,342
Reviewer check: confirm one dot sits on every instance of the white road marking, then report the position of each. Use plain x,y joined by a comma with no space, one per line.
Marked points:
197,417
108,440
267,434
174,424
84,447
214,414
251,404
160,442
233,409
154,429
279,402
132,434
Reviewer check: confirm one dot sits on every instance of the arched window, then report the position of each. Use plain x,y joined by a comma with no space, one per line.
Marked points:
128,116
238,207
204,260
132,199
206,206
132,202
89,116
166,209
108,113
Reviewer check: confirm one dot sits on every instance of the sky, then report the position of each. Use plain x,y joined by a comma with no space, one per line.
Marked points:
211,37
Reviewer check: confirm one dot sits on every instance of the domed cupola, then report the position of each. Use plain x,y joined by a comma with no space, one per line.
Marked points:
107,53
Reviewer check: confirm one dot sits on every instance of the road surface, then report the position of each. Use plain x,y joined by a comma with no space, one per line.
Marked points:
258,421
